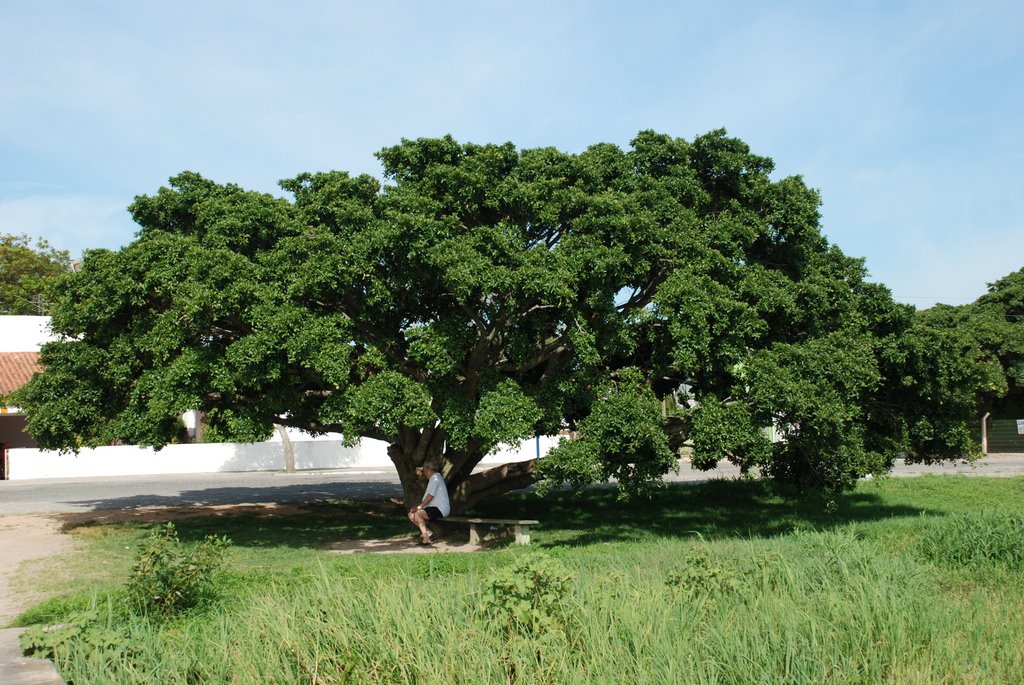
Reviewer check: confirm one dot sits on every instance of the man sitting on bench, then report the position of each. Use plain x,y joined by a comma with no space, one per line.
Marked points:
435,504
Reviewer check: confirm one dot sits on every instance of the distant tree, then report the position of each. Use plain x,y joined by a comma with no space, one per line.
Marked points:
664,297
998,320
937,378
25,271
990,333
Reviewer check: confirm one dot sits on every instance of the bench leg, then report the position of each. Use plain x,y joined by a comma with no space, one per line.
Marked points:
522,534
474,533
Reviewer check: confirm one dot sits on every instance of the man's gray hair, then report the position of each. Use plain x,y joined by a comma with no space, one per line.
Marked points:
432,465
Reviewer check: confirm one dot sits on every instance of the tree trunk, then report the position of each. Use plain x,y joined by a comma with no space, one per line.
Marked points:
465,488
409,452
289,451
412,488
200,429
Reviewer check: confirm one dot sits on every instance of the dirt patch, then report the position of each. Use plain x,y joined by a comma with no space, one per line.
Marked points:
403,545
101,517
26,538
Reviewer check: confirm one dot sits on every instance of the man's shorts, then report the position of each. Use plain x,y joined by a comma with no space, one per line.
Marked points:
433,513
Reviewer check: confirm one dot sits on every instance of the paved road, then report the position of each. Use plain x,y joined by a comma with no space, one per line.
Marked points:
48,495
87,494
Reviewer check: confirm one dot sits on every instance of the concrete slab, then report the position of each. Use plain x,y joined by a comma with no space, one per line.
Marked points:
16,669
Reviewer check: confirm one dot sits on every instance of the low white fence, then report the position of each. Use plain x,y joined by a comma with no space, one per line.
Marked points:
311,453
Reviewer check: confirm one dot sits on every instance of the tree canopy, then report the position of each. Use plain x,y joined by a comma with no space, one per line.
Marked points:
25,271
998,318
988,337
664,297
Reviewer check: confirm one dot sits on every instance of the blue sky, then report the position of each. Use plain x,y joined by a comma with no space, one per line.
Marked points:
906,115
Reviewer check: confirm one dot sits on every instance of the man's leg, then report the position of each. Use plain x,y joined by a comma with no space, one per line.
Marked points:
420,519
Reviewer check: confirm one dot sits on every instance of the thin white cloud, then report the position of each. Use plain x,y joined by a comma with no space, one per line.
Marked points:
903,113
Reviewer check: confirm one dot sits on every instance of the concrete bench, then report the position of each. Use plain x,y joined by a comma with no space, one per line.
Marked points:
476,527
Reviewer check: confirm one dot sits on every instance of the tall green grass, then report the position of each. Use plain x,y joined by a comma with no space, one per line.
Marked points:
860,598
813,608
978,539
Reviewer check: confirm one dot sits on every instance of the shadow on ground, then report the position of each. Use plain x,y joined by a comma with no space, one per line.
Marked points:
285,494
298,525
716,509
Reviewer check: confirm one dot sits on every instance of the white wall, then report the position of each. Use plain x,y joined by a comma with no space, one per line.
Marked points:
24,333
28,333
320,453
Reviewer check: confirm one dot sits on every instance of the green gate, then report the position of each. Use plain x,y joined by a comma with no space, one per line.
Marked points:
1005,435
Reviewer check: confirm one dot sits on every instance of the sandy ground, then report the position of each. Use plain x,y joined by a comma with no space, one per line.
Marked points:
22,539
404,545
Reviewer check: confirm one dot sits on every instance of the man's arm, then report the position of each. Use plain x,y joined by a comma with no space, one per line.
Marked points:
428,496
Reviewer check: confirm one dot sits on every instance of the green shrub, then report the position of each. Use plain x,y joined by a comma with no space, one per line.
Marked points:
526,597
700,577
167,578
86,635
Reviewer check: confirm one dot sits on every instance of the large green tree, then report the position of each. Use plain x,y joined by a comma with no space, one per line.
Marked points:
671,295
25,271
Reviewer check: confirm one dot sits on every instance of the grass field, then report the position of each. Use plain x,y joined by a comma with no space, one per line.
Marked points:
911,580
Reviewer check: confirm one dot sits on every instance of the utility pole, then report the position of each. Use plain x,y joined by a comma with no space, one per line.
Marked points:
984,432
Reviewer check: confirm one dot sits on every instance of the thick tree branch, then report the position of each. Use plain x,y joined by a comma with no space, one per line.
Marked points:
493,482
473,316
462,462
643,295
551,350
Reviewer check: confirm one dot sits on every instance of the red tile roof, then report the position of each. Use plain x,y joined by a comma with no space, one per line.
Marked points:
16,368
